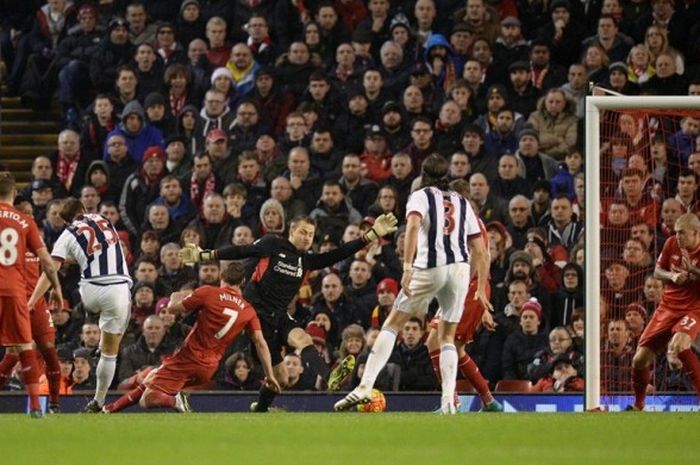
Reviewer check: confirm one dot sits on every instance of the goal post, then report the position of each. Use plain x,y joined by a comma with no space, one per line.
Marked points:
595,106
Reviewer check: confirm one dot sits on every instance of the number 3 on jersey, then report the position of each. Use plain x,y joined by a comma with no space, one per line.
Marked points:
449,217
8,246
233,316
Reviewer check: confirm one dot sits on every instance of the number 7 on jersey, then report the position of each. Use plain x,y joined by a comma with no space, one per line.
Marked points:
233,316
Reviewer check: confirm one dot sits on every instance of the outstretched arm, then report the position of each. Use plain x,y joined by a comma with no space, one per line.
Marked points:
322,260
383,225
192,253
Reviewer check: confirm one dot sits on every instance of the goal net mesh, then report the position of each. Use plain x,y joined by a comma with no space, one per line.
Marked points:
645,184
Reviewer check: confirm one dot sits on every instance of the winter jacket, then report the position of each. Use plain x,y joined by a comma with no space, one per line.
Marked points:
558,134
333,222
416,369
567,300
518,351
105,61
138,142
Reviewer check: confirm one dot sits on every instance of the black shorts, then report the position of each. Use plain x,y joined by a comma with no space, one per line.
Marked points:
275,332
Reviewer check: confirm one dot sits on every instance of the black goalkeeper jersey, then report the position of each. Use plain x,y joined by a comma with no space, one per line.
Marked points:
280,270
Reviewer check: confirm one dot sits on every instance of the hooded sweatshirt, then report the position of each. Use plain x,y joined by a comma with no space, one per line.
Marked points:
566,300
139,141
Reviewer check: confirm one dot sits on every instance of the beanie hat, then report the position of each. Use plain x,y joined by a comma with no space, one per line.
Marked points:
141,284
189,2
498,226
154,98
117,22
529,132
639,308
532,305
521,256
388,284
161,304
317,333
83,353
566,357
223,71
153,152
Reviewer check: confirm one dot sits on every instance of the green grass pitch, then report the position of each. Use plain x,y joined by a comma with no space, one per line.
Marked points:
350,438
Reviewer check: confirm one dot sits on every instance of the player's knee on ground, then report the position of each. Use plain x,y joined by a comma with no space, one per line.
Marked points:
642,358
679,343
298,338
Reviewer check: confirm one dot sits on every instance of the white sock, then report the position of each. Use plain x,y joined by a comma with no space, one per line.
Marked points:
448,370
105,373
381,351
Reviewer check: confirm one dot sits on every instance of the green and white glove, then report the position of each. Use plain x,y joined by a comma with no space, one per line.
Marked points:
383,225
192,253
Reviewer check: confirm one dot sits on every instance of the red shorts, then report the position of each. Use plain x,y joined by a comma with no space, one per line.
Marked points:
43,330
665,323
179,372
471,316
15,327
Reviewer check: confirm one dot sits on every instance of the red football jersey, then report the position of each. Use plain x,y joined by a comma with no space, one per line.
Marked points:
223,314
18,235
686,297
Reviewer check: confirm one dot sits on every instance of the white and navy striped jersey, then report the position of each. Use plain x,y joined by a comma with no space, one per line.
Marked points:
447,223
92,241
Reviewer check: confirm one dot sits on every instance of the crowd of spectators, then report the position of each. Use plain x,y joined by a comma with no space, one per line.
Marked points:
215,122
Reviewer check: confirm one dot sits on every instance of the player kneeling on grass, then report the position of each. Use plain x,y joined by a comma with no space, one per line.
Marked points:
223,314
677,318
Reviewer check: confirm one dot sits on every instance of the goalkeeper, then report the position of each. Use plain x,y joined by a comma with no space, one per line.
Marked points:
279,273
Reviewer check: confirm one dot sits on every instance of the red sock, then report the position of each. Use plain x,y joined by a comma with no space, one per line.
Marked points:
435,360
30,373
640,381
127,400
160,399
7,364
471,372
53,373
691,365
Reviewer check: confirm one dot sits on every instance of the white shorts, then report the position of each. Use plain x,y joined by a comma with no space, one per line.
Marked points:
448,283
112,302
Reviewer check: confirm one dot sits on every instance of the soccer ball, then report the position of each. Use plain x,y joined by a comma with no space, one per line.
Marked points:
376,405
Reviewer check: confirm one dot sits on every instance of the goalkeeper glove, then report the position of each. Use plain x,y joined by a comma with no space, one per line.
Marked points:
383,225
192,253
